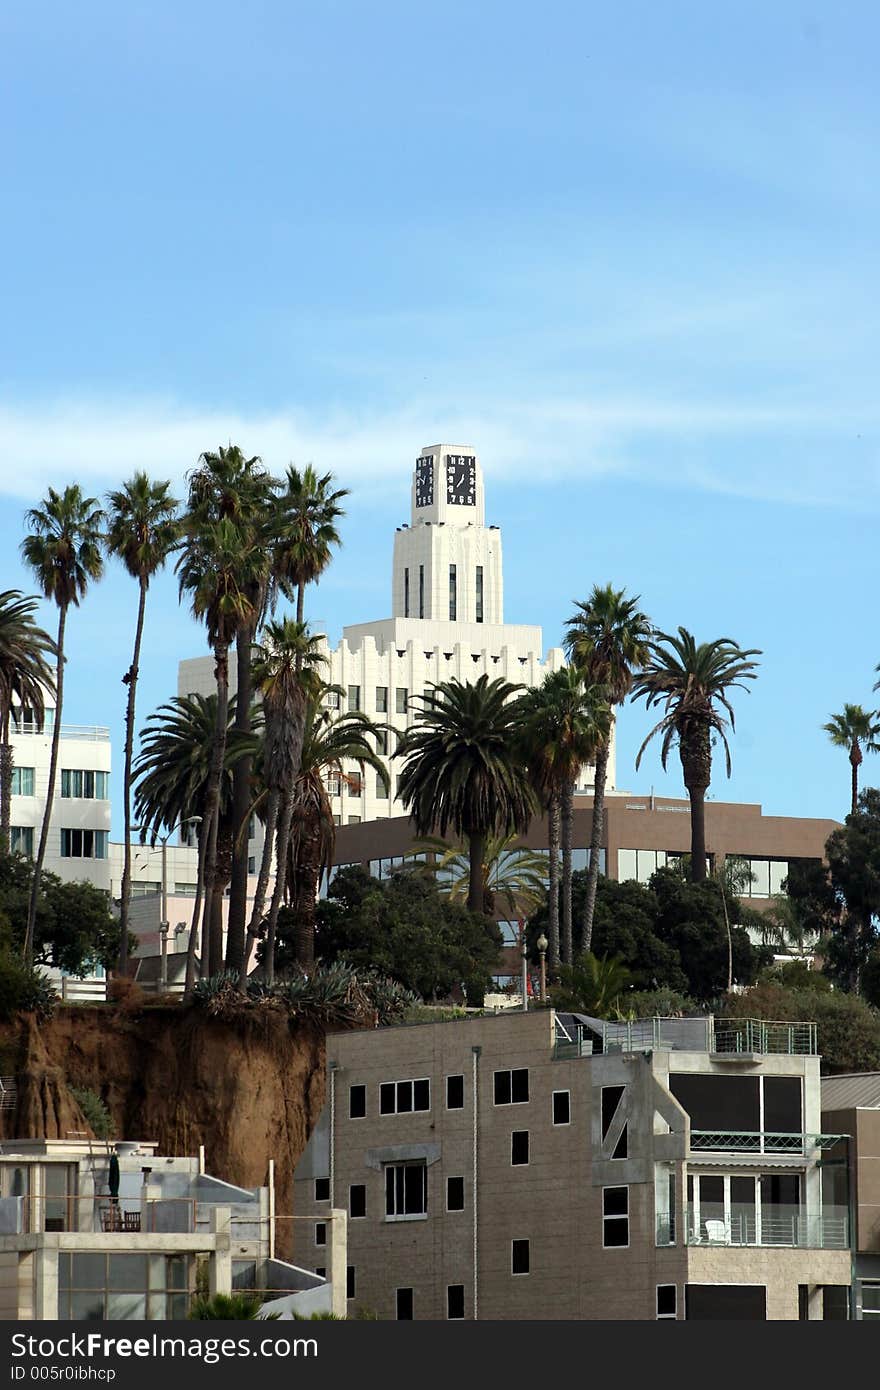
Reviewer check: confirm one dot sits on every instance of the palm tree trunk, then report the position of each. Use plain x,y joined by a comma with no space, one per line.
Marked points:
855,757
304,886
697,795
262,884
7,764
476,854
566,817
600,774
28,951
212,797
129,753
241,804
194,924
553,885
300,602
282,850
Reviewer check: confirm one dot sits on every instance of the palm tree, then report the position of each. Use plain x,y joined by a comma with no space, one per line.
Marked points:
592,985
576,722
142,530
308,510
64,552
172,775
854,729
217,569
691,681
25,676
284,676
512,873
227,484
544,776
461,768
608,641
330,743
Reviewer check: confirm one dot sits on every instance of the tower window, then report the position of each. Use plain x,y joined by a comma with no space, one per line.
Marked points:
453,595
406,593
421,591
479,593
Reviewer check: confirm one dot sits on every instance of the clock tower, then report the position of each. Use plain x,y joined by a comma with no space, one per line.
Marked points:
447,562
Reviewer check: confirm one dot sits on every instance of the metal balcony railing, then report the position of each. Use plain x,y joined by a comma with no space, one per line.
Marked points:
763,1142
89,733
764,1036
762,1226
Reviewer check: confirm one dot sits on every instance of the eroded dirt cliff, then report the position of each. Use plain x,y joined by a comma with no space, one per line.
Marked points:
250,1090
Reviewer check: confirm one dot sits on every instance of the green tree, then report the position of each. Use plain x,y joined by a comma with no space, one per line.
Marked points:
607,640
172,774
142,530
226,484
691,682
63,550
228,1307
75,929
853,855
25,676
217,568
593,985
694,920
284,675
858,731
460,769
405,928
848,1029
330,743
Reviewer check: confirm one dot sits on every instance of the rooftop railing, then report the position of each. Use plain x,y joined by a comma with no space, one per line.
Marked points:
89,733
765,1036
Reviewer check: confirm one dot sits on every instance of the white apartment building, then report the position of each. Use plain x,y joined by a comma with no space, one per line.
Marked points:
447,600
79,830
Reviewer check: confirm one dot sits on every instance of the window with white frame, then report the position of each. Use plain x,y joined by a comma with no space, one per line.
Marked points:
382,699
406,1190
615,1217
402,1097
512,1087
667,1302
21,840
23,781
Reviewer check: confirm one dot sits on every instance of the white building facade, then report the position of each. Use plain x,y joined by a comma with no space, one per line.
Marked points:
79,829
447,593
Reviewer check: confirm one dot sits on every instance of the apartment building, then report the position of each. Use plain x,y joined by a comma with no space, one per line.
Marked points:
540,1165
79,829
80,1242
852,1103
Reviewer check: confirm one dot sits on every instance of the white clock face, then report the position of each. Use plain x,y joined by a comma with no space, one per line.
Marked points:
461,480
425,481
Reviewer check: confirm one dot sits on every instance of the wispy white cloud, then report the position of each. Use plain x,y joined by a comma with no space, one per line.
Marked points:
96,443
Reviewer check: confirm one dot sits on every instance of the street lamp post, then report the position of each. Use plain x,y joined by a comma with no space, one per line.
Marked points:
542,944
525,967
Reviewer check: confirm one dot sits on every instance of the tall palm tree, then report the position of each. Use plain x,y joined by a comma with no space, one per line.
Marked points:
330,743
172,775
461,768
544,775
690,681
308,510
228,484
856,729
284,675
216,568
25,676
64,552
578,723
607,640
142,530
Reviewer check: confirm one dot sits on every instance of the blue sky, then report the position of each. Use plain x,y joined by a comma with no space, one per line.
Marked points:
629,252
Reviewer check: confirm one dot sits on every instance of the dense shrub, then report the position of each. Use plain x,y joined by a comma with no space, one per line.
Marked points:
848,1028
95,1112
23,990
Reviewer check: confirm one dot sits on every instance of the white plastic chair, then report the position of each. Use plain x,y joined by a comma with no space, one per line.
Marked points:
717,1232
